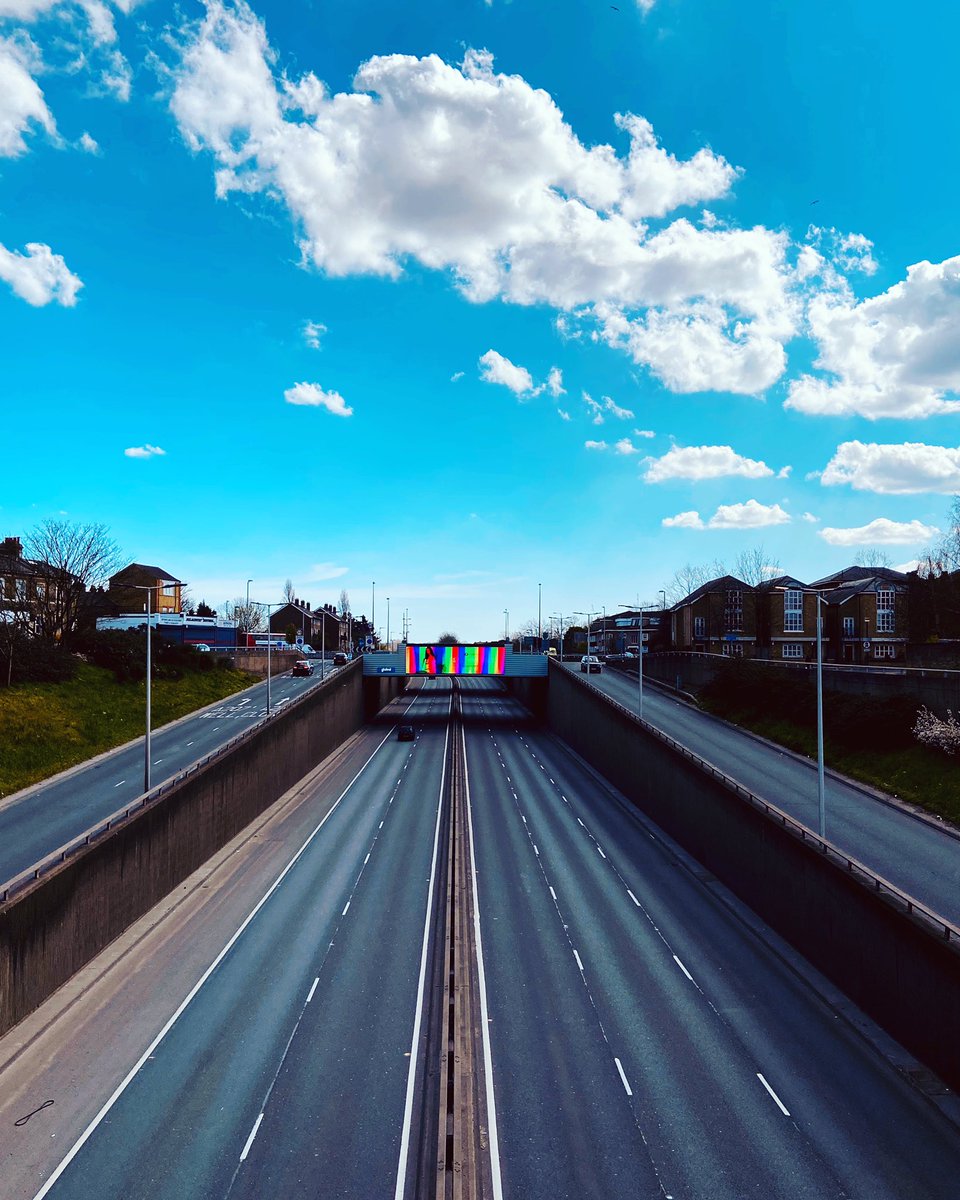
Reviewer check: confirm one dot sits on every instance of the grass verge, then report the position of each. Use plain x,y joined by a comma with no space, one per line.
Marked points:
47,727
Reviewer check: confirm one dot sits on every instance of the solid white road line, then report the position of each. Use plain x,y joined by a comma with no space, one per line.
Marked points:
366,860
776,1099
579,963
492,1132
418,1019
345,907
600,851
623,1078
253,1134
553,893
131,1074
313,989
633,898
683,968
120,784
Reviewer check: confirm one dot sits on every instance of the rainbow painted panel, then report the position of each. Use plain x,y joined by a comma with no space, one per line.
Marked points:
455,660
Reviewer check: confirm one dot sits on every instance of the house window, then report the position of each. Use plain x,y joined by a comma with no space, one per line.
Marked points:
792,650
733,649
733,612
885,612
884,650
793,611
848,626
170,589
21,585
699,627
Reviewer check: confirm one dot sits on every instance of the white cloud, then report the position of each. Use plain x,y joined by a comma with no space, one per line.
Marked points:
596,445
622,414
456,376
750,515
497,369
784,472
146,451
563,414
39,276
88,144
684,520
595,409
312,395
894,470
703,462
386,173
325,570
21,101
554,384
895,355
313,332
880,532
810,518
911,565
644,433
625,446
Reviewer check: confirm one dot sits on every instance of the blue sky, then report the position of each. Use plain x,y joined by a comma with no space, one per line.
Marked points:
470,297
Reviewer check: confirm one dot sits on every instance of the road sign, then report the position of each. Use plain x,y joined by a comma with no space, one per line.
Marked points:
866,645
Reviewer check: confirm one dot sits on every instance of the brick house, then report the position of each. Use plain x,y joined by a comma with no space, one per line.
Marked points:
786,620
717,618
309,624
865,617
23,587
127,590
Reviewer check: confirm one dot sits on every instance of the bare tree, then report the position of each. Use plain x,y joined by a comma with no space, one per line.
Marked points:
69,558
289,593
874,557
756,566
689,577
249,617
343,606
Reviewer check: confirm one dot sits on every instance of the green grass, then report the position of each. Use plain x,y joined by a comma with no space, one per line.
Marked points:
47,727
927,778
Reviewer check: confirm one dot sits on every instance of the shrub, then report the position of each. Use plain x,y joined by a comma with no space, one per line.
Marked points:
932,731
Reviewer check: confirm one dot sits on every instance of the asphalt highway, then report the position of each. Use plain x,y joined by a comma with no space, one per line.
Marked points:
45,817
647,1037
916,856
645,1042
289,1072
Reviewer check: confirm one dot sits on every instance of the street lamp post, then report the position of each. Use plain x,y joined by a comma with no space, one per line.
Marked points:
506,626
559,617
588,615
388,622
639,663
821,792
373,608
148,588
540,616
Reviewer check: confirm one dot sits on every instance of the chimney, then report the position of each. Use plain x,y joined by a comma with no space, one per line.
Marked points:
11,546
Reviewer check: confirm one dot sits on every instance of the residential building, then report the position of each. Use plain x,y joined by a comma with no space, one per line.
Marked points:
786,620
618,633
866,619
717,618
127,590
316,627
23,587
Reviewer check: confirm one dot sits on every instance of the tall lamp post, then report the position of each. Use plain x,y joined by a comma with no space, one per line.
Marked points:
388,622
821,793
260,604
639,664
148,588
373,609
559,617
540,616
588,615
506,626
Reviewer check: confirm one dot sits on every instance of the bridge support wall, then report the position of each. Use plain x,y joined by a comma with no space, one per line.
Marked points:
897,967
57,923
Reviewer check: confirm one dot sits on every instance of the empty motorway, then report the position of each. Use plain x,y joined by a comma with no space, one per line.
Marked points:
645,1036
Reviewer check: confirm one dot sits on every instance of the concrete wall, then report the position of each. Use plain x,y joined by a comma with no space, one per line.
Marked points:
899,968
60,921
937,689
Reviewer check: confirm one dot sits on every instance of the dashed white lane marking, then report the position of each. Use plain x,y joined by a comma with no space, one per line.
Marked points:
535,850
345,907
683,968
313,989
157,760
189,743
579,963
120,784
253,1134
623,1078
580,823
366,860
633,898
553,893
600,851
776,1099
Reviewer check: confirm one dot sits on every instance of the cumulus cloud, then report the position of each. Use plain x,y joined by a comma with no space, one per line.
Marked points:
313,396
895,470
88,144
39,276
146,451
703,462
313,332
614,409
810,518
880,532
750,515
594,408
385,173
22,105
625,446
494,368
596,445
554,383
644,433
894,355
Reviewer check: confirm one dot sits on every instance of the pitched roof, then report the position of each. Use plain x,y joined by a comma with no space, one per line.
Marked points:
849,574
781,581
723,583
153,572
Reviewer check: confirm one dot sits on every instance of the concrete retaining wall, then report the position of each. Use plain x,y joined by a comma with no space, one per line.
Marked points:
899,967
60,921
937,689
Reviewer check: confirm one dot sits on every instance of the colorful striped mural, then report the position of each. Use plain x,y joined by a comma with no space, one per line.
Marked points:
455,660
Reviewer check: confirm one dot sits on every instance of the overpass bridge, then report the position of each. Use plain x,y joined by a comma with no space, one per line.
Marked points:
432,659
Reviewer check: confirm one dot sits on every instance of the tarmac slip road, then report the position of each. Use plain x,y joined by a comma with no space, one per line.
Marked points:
914,855
646,1042
47,816
292,1070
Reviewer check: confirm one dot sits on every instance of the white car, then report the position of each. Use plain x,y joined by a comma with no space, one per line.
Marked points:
591,663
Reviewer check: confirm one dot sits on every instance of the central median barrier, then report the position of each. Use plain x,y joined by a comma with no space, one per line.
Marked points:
66,909
897,961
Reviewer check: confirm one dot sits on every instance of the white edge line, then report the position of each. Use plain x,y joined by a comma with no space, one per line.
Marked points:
776,1099
687,973
128,1078
253,1134
313,989
492,1133
415,1040
623,1078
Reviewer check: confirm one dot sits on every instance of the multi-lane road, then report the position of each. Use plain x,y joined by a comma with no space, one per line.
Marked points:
38,821
646,1037
917,856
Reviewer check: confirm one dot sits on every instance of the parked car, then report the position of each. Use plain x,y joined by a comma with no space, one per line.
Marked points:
406,733
202,647
339,660
590,663
302,667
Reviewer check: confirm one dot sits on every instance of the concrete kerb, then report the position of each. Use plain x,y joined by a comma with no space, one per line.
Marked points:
941,824
105,754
